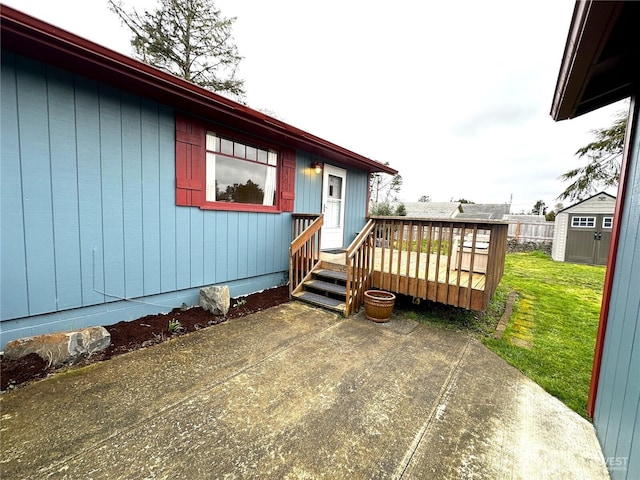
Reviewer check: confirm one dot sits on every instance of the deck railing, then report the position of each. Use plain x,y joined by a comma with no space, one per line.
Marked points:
359,268
304,251
455,262
449,261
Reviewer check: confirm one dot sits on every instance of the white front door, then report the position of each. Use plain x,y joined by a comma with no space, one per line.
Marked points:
334,183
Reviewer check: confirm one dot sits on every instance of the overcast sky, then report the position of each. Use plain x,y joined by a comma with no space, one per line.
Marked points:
455,95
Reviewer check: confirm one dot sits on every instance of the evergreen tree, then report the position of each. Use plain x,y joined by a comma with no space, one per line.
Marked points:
603,157
401,210
187,38
539,208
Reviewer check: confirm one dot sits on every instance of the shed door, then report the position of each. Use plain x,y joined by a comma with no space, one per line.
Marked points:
587,240
604,239
333,195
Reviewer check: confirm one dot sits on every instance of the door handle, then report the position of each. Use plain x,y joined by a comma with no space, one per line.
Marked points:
597,235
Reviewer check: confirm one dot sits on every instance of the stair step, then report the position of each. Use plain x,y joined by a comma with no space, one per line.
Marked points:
321,301
332,274
337,267
326,286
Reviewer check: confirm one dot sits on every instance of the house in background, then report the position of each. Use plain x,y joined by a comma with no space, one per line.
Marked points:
433,209
125,189
486,211
582,232
599,67
474,211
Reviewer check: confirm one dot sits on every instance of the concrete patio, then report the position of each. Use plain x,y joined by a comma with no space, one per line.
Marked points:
297,392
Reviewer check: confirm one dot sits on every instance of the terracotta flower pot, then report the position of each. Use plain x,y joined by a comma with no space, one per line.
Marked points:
378,305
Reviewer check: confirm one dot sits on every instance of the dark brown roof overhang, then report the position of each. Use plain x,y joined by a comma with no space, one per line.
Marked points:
601,52
30,37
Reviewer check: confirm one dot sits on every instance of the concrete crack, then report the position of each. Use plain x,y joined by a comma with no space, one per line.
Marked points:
438,407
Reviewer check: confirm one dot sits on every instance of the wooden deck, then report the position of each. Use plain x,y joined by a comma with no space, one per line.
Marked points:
415,267
428,277
449,261
420,265
422,276
455,262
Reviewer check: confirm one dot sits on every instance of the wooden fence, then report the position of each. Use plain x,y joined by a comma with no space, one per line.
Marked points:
522,231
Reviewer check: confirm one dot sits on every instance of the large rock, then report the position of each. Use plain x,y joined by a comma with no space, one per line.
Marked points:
61,348
215,299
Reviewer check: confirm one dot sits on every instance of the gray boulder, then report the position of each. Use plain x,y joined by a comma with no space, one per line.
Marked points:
61,348
215,299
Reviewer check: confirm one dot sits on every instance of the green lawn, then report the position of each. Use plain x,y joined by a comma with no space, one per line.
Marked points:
552,332
556,313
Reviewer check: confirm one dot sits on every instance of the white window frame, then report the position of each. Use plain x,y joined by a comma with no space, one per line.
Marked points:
269,159
583,222
606,220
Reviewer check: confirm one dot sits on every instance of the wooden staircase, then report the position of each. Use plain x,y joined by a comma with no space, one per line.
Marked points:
337,280
326,287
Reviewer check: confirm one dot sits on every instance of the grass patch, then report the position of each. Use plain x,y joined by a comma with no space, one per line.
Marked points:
482,324
552,332
557,311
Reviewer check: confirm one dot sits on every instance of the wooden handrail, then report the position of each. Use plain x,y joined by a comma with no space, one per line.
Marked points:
306,234
361,238
359,268
302,221
304,250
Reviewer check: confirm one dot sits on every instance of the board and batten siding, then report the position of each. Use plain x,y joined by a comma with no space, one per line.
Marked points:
617,409
594,206
309,193
356,204
88,213
308,184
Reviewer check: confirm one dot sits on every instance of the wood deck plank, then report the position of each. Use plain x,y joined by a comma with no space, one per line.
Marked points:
418,268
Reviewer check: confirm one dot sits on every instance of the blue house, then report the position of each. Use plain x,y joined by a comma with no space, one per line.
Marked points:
599,67
125,189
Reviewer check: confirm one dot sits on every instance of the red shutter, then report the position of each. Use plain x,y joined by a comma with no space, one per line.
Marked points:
190,162
287,180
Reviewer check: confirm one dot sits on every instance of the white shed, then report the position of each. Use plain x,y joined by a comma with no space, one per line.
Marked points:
583,231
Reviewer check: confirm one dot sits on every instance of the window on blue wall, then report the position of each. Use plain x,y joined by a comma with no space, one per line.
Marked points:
240,173
219,169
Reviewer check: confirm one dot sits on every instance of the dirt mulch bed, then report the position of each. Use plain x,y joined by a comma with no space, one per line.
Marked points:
143,332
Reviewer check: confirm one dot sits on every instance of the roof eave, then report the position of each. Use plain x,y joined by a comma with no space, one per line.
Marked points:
26,35
591,24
